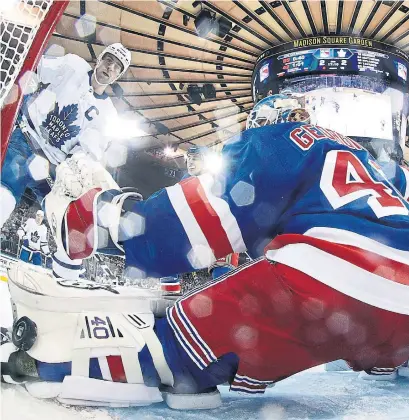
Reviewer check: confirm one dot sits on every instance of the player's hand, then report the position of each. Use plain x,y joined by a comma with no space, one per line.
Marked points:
20,234
80,173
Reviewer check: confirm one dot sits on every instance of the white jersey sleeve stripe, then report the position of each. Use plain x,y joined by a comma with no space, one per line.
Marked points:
345,237
367,287
222,209
202,255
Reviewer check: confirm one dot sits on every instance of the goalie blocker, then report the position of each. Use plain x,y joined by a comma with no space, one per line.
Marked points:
84,209
90,223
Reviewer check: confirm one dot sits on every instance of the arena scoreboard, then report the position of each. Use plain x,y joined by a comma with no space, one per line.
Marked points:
330,55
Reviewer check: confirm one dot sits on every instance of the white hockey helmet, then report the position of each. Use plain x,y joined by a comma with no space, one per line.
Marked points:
120,52
276,109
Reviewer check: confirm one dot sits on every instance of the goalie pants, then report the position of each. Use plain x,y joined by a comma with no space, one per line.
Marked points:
264,322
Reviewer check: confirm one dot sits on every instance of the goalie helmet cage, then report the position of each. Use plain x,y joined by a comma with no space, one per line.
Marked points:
25,30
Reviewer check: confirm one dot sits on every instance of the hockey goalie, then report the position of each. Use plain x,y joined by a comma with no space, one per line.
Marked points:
330,278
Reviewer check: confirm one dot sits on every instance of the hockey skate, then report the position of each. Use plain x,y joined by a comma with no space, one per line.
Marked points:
86,324
374,374
379,374
404,370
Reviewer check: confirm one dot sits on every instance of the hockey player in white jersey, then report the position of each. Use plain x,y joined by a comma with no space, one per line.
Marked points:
34,236
68,113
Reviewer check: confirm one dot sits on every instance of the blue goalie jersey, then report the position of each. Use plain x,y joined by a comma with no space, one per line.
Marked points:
299,194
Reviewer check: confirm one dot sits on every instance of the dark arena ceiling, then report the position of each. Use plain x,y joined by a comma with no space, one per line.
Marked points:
170,60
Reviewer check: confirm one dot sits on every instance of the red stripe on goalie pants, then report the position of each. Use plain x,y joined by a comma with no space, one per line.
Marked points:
116,368
207,218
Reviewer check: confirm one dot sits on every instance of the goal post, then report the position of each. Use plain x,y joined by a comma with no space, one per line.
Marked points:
26,27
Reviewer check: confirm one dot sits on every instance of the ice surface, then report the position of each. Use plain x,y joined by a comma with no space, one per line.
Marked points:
309,395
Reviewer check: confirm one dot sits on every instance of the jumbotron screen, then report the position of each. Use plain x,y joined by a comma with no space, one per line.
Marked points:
354,85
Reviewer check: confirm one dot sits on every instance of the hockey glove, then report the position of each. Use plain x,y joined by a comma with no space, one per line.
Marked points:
79,174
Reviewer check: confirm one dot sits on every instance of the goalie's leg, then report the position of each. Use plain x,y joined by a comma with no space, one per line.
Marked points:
86,345
255,326
192,387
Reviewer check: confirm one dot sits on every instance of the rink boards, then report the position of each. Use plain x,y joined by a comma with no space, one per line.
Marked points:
6,262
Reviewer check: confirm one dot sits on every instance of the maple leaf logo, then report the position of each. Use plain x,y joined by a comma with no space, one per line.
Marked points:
59,127
35,237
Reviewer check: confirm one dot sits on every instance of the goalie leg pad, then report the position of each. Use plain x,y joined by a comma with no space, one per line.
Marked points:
82,331
63,312
81,391
379,374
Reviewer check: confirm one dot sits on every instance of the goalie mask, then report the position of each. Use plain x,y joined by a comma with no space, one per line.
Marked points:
277,109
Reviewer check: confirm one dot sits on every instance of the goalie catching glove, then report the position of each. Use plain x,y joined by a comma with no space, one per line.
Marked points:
80,173
84,208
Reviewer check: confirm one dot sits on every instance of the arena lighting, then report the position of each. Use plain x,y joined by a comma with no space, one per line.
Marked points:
197,93
209,91
205,22
223,27
186,20
169,151
123,128
214,163
194,92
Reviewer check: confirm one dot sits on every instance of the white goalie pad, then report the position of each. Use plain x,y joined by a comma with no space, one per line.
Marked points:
75,390
77,321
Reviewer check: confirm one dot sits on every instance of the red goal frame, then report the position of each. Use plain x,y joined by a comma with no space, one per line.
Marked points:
43,34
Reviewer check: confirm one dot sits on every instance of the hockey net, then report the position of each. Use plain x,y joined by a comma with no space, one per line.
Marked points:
26,26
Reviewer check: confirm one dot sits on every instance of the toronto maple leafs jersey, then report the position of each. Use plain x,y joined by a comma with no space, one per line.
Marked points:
301,195
65,114
35,236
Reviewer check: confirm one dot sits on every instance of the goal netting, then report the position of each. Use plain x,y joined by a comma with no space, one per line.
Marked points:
25,27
